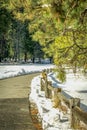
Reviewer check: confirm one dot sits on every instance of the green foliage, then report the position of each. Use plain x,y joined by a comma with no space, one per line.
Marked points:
59,27
60,73
15,37
5,19
67,11
5,23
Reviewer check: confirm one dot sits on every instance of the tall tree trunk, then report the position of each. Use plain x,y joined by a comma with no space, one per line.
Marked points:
33,60
2,48
25,56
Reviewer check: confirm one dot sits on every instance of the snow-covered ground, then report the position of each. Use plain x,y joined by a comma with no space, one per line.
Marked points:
75,86
15,70
52,118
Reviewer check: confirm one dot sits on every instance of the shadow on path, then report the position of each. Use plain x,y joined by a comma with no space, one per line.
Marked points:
14,114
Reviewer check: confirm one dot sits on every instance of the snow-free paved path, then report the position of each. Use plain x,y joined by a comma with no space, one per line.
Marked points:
14,103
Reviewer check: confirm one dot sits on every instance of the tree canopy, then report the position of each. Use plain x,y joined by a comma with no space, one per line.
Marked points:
59,26
15,37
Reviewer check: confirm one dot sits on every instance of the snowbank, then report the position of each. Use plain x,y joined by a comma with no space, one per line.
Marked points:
75,86
15,70
52,118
